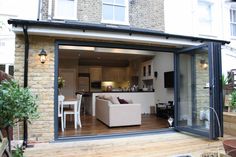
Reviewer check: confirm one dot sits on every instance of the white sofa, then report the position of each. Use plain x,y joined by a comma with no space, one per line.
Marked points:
114,115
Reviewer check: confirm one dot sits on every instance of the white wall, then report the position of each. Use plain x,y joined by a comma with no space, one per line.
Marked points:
181,17
228,59
7,41
229,50
22,9
163,62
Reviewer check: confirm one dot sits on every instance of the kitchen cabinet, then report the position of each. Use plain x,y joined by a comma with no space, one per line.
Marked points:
95,74
147,70
114,74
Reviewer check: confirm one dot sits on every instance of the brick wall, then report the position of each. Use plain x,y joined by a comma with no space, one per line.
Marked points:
147,14
230,123
202,77
40,82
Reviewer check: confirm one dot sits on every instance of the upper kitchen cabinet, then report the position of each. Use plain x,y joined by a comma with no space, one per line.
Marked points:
114,74
95,74
147,70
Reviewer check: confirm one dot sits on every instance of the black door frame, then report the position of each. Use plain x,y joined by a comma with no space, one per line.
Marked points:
215,89
108,45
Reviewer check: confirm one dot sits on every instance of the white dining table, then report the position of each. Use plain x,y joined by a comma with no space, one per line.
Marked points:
72,102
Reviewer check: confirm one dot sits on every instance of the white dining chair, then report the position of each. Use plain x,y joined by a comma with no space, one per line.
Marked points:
61,99
75,112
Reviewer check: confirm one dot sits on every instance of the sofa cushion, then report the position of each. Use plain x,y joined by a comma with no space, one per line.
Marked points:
113,100
122,101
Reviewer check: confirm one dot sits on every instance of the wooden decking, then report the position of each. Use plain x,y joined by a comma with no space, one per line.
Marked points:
92,126
158,145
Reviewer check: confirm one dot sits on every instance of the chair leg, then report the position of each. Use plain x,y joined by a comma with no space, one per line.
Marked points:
75,120
64,120
62,124
79,121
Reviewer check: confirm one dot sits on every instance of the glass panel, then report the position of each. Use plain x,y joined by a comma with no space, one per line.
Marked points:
205,19
233,15
233,29
107,12
65,8
11,70
120,2
194,97
204,11
119,14
2,67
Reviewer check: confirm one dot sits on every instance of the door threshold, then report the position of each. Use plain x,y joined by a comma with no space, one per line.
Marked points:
112,136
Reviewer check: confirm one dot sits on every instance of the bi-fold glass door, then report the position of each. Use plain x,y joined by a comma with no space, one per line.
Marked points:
197,90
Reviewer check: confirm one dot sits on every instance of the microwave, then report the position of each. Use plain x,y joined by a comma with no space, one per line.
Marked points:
96,85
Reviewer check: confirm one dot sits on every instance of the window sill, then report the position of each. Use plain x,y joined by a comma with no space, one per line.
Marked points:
208,35
232,37
64,18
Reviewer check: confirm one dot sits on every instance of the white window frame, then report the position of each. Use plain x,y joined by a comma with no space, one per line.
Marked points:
232,22
64,17
126,22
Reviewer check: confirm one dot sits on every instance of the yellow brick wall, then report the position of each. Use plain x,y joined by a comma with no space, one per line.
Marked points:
41,83
230,123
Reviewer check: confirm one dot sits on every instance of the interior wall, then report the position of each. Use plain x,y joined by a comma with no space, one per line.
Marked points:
163,62
69,64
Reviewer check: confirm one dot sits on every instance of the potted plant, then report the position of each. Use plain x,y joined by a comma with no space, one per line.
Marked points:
16,105
61,84
225,81
233,100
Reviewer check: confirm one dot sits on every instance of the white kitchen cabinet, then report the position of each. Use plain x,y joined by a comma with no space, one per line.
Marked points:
147,70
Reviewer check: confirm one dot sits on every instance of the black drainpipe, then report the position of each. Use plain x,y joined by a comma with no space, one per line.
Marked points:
26,38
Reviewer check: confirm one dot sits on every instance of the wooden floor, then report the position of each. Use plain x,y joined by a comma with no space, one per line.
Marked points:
168,144
92,126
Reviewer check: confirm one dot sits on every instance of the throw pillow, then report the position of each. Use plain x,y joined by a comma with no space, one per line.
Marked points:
107,97
122,101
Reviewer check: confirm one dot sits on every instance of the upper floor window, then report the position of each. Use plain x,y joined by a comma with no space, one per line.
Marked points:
65,9
115,11
233,21
205,17
7,68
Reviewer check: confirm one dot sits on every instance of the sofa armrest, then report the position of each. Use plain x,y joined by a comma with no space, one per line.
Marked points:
102,110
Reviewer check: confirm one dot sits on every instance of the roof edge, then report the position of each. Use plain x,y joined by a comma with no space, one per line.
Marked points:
104,27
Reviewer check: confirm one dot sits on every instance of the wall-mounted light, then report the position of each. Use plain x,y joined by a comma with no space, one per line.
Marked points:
43,56
203,64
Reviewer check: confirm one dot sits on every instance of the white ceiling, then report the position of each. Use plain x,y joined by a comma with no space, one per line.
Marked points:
93,56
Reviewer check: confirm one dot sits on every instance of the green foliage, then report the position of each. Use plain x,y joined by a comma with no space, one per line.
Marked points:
16,104
233,99
61,82
18,152
225,80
